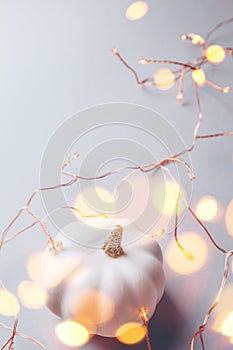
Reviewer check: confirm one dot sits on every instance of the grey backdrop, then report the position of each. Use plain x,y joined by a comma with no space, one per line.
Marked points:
54,61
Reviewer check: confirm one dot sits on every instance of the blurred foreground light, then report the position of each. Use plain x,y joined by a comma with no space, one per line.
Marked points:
198,76
207,208
178,262
164,79
215,54
72,333
136,10
9,305
92,307
131,333
93,203
225,307
31,295
165,197
34,266
229,218
227,327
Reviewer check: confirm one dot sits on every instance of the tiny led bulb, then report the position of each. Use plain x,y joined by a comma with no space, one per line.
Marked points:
198,76
197,39
215,54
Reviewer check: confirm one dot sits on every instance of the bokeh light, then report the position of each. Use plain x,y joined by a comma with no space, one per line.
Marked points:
198,76
31,295
193,243
165,197
94,201
164,79
91,307
229,218
224,309
207,208
9,305
136,10
72,333
34,266
131,333
227,327
215,54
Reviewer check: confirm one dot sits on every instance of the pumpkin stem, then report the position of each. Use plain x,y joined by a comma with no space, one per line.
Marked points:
112,246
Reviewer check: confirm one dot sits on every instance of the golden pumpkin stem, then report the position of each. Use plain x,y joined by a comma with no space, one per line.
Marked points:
112,246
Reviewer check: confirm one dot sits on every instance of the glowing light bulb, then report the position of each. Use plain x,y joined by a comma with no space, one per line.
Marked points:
164,79
183,37
198,76
215,54
72,333
180,98
207,208
136,10
197,39
131,333
9,305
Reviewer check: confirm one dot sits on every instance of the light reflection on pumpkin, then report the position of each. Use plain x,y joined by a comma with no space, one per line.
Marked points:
31,295
131,333
92,307
193,243
72,333
9,305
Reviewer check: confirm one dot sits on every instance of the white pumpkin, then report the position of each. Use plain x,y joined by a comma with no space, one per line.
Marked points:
104,288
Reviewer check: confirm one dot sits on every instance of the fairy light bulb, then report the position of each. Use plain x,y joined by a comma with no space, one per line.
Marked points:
215,54
198,76
197,39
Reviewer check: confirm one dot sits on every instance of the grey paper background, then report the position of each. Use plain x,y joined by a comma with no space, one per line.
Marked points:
55,60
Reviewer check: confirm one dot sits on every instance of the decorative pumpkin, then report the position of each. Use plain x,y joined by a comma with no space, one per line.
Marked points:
104,288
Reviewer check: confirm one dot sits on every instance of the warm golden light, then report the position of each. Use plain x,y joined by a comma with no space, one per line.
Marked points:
93,204
197,39
9,305
225,307
207,208
215,54
164,79
227,327
198,76
136,10
165,197
72,333
34,266
229,218
92,307
131,333
192,243
31,295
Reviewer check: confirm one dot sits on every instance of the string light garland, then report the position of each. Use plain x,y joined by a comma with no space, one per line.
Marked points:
214,54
